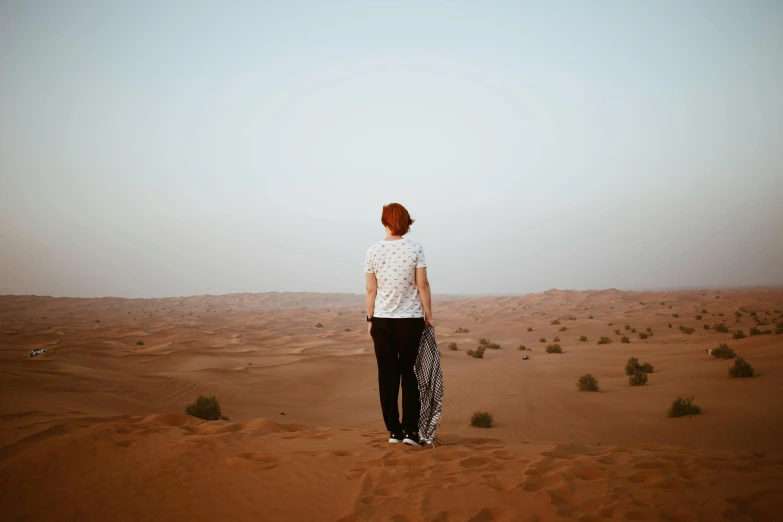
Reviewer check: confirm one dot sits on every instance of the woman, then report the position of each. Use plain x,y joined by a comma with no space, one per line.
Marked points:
399,306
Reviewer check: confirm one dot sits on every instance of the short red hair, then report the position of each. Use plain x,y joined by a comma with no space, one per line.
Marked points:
396,217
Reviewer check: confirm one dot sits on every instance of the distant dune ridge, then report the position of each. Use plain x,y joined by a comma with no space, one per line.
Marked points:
95,428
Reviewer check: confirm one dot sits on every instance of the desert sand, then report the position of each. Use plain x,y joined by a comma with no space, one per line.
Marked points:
95,429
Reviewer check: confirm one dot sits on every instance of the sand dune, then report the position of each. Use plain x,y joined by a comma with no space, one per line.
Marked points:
94,429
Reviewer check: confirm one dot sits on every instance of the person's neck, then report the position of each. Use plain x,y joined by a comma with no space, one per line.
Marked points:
392,238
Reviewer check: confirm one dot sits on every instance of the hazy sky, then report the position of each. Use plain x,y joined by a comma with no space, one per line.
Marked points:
177,148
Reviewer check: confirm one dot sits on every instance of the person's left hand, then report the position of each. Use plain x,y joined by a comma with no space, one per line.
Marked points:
369,328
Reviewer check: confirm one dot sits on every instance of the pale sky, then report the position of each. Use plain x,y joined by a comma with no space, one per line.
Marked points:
176,148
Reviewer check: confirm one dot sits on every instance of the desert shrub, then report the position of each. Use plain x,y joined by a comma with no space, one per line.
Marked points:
706,326
720,327
633,366
675,315
482,419
720,314
617,332
738,315
553,348
319,325
604,340
611,324
583,338
493,346
484,341
625,340
97,320
589,316
522,347
739,334
633,330
670,325
754,331
698,317
462,330
704,311
682,407
139,343
643,335
542,340
646,368
562,329
741,369
207,408
637,379
587,383
347,329
686,329
555,322
627,326
649,329
556,339
723,352
453,347
779,328
529,328
478,353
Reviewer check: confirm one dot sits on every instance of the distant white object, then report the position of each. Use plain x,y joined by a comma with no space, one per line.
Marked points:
35,352
525,357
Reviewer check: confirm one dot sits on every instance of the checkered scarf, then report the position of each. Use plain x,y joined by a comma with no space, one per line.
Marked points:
430,380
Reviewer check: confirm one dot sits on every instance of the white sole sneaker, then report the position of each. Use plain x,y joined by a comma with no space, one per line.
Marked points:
410,442
394,441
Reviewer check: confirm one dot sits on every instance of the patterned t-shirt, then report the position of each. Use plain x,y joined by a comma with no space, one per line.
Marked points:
394,264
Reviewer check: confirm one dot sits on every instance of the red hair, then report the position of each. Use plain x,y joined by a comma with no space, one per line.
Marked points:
396,217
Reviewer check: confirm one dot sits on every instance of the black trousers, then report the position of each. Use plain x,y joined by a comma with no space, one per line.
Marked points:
396,348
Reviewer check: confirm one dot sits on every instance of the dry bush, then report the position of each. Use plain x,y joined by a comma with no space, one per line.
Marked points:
720,327
529,328
687,329
682,407
739,334
637,379
583,338
462,330
482,419
723,352
741,369
522,347
478,353
139,343
625,340
587,383
542,340
555,322
453,347
604,340
554,348
556,339
207,408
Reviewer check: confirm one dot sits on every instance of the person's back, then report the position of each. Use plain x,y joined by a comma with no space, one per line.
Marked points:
398,309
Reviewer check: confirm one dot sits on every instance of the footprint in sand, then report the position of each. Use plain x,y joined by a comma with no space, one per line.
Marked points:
255,461
474,462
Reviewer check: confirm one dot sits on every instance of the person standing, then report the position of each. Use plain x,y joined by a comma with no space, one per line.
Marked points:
399,306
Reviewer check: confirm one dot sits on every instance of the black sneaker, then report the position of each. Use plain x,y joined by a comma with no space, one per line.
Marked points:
394,438
412,438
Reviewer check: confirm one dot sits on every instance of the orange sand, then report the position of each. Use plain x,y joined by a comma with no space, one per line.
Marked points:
94,429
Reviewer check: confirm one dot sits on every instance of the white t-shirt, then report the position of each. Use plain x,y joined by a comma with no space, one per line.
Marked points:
394,264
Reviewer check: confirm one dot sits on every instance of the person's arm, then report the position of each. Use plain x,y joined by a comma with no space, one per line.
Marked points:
371,292
423,284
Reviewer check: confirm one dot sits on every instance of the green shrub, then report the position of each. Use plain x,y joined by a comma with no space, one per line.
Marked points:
556,339
583,338
453,347
522,347
555,322
139,343
542,340
553,348
627,326
682,407
207,408
478,353
462,330
643,335
625,340
484,341
494,346
637,379
723,352
720,327
686,329
587,383
482,419
741,369
562,329
319,325
617,332
739,334
754,331
604,340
